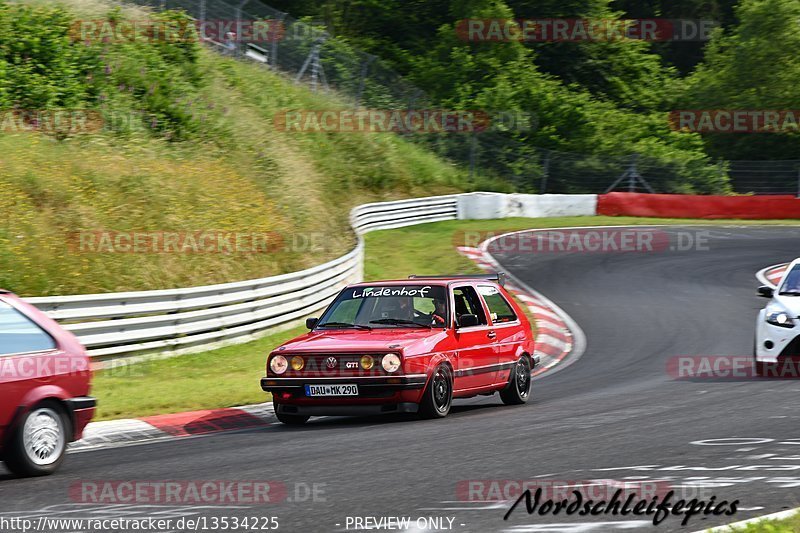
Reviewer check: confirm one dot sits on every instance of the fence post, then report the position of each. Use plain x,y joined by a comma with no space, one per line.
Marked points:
362,79
316,67
473,149
633,174
235,44
282,34
545,172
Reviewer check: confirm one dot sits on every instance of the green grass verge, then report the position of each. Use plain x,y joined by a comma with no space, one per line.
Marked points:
787,525
229,376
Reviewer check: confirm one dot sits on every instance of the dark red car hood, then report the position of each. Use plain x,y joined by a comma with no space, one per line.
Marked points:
409,341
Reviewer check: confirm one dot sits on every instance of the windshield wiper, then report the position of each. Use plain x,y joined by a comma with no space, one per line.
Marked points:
399,322
343,325
789,293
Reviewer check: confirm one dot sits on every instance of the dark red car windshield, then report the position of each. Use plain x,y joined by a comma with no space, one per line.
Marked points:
378,306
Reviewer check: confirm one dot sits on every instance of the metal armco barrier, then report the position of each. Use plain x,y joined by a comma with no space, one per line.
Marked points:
200,318
194,319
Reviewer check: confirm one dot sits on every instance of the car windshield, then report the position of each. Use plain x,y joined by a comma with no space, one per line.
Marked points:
791,282
387,306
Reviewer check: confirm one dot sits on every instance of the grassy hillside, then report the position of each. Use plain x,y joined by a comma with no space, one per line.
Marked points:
189,146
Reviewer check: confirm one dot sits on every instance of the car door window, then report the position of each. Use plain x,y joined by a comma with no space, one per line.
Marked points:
18,334
467,302
499,308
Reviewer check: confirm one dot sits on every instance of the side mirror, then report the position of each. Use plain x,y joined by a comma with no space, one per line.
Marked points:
467,321
311,323
766,291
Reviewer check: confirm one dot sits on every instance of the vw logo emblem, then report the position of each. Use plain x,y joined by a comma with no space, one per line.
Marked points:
330,362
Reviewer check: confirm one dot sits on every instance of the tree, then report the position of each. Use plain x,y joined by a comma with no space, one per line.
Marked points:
752,66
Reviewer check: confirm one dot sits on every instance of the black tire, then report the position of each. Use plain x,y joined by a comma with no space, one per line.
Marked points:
518,389
39,442
438,396
291,420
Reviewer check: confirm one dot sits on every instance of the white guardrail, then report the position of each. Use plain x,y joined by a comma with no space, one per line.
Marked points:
199,318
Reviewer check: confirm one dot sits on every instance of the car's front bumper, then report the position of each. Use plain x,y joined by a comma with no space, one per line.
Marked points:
346,410
367,383
782,341
376,395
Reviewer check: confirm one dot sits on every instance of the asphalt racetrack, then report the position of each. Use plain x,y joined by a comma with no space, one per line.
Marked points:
615,413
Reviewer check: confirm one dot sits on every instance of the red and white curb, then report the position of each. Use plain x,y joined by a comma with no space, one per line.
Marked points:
554,339
114,433
772,275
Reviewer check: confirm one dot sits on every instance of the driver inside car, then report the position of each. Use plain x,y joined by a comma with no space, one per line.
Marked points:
439,313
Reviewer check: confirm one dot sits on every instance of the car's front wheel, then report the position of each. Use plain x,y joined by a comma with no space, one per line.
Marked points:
518,389
438,396
39,443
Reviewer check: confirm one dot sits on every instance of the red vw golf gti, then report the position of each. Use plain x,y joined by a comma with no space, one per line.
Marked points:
44,387
407,346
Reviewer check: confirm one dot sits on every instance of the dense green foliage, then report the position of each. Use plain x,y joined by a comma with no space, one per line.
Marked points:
44,66
598,97
753,65
608,99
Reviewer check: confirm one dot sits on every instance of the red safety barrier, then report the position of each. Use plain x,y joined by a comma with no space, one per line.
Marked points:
689,206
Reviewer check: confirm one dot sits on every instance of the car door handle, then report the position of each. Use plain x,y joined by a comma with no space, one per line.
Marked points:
491,334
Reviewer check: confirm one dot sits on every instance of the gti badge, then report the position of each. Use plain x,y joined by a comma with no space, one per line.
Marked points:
330,362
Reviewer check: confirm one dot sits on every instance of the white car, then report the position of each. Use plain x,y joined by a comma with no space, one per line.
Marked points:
778,324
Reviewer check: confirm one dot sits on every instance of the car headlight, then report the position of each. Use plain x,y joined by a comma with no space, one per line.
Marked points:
367,362
278,364
298,363
778,316
390,362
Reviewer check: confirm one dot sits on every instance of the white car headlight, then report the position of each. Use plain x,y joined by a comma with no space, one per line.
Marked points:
390,362
778,316
278,364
